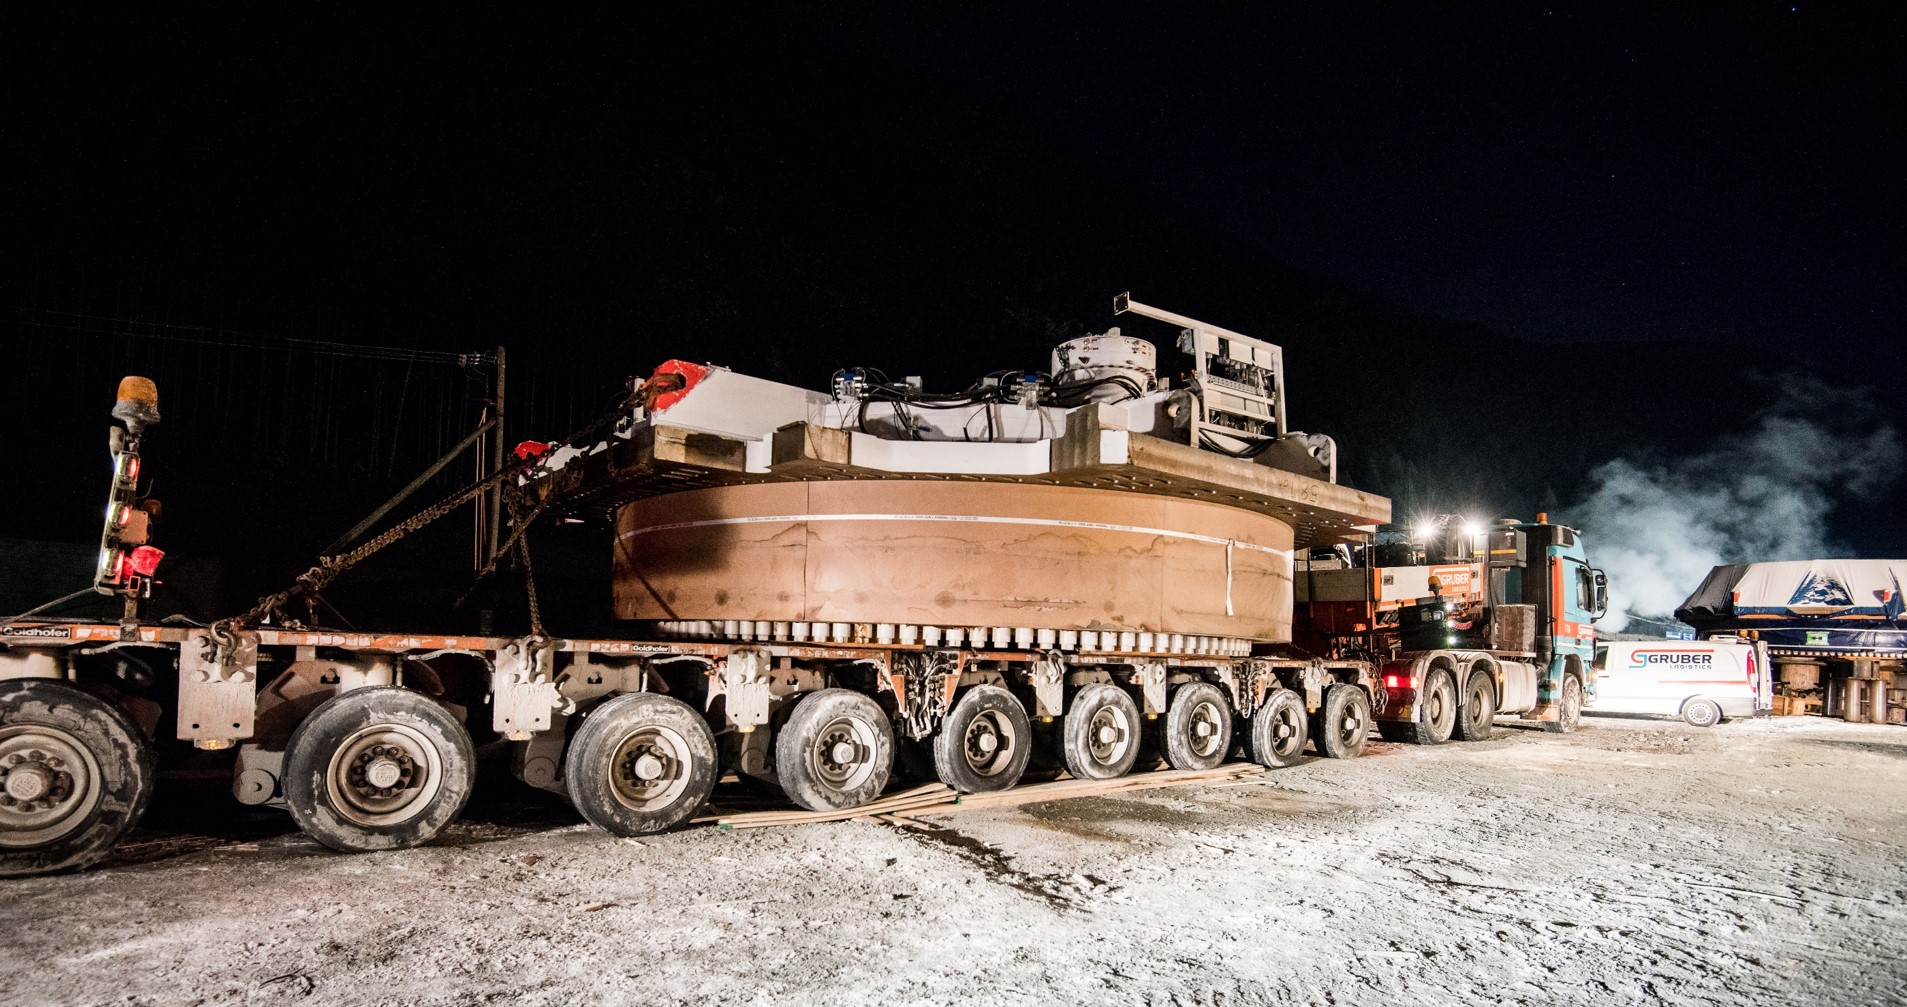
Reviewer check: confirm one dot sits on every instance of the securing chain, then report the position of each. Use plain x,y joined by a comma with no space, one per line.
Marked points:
329,568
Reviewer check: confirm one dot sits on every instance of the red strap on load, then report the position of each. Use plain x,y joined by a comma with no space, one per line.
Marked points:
671,381
531,449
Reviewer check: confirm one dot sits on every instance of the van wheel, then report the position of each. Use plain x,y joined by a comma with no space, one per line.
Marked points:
1477,719
1699,712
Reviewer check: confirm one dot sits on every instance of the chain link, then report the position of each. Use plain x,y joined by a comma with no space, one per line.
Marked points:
329,568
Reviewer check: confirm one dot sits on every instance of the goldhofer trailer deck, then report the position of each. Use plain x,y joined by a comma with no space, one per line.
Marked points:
368,739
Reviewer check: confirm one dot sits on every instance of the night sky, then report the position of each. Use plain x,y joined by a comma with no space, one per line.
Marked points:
1562,171
1502,244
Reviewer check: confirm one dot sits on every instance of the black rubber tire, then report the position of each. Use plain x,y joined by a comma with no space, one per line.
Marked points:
914,760
1436,711
1701,712
1476,720
983,710
1188,707
1046,761
1116,757
333,725
1279,730
805,769
122,763
1344,722
1570,704
601,763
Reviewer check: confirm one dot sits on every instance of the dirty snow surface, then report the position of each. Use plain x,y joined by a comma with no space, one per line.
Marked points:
1636,861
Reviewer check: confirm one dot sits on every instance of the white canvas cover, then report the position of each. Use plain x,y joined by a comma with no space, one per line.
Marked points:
1822,588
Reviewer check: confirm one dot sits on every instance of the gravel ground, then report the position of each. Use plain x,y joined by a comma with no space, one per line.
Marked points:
1636,861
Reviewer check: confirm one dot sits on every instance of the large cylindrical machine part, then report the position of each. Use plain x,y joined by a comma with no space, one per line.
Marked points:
1854,700
1800,676
954,553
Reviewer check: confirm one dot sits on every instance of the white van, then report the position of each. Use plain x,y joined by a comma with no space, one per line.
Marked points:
1702,681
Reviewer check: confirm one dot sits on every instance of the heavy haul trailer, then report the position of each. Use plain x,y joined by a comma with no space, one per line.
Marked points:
1467,621
814,582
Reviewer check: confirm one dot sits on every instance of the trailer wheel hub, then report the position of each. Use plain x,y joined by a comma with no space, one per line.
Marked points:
383,774
47,781
647,767
652,768
27,782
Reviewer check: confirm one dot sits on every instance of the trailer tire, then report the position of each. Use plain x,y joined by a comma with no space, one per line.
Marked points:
380,768
836,751
984,742
1700,712
1198,727
1279,730
1101,733
1476,719
84,769
1344,722
640,763
1436,711
1046,760
1569,707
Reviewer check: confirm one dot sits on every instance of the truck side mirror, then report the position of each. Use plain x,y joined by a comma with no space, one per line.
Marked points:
1602,595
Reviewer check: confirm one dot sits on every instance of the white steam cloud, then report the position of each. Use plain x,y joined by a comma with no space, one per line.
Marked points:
1657,528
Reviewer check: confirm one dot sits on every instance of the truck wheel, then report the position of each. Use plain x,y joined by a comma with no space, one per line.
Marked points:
640,763
377,769
1278,730
1436,712
1477,720
1101,728
836,751
1047,760
75,774
1699,712
984,742
1344,722
1569,712
1198,727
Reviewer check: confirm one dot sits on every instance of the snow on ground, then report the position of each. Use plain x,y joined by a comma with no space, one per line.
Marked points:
1637,861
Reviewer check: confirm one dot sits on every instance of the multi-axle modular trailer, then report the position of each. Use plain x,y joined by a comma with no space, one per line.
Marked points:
1049,570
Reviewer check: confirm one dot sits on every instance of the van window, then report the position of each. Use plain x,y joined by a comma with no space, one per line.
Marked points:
1602,658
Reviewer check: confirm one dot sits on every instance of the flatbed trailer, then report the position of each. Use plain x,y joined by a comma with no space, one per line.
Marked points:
338,727
1109,559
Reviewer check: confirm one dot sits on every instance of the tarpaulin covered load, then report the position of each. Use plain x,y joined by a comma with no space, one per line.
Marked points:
1820,592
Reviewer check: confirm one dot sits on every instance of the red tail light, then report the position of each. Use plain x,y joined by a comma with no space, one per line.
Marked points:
1400,681
145,560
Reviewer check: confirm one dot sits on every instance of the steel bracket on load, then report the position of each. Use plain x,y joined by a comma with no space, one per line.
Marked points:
218,689
1049,686
745,681
1151,681
522,689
